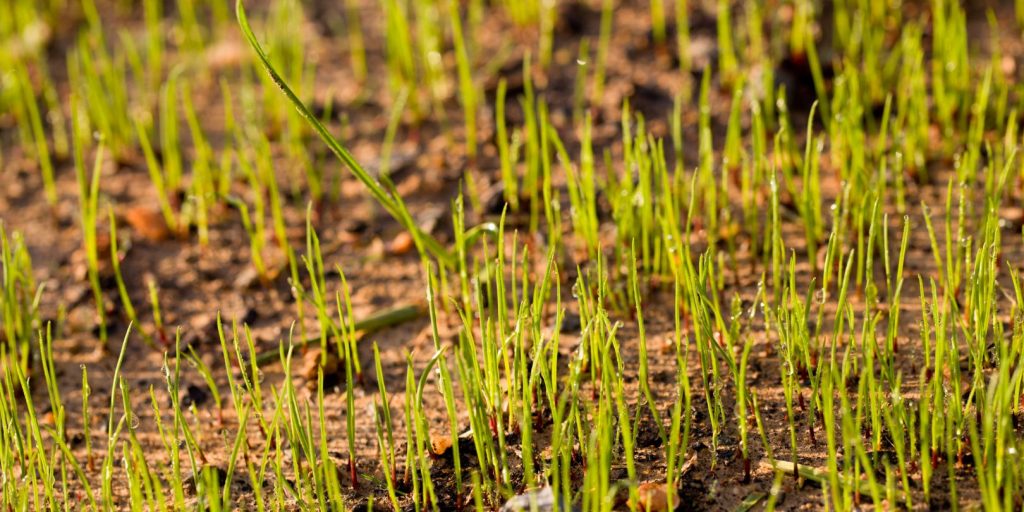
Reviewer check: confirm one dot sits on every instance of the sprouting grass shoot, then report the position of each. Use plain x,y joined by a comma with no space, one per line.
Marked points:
551,255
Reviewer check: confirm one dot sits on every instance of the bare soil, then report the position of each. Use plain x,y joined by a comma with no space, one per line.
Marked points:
196,283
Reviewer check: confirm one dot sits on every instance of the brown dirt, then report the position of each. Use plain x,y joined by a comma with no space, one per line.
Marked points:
196,282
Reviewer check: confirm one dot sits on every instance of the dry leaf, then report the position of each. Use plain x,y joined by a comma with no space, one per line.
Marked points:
311,361
653,497
148,223
440,444
401,244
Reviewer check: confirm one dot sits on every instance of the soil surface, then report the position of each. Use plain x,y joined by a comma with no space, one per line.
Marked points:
196,283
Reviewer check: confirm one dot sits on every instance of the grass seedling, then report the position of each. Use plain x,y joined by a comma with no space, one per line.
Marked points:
800,30
112,433
115,263
727,63
401,62
351,357
154,303
394,119
19,302
88,201
682,17
156,175
329,472
658,21
152,14
548,17
508,174
42,147
645,386
385,434
681,419
743,396
203,188
318,291
582,186
255,232
356,40
86,419
603,47
444,382
579,90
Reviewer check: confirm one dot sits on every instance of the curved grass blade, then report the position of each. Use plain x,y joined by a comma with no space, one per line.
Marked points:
387,200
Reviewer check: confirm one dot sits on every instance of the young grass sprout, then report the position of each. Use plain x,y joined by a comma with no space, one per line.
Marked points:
798,287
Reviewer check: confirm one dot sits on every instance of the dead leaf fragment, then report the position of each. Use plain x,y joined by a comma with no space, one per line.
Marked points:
440,444
401,244
312,360
538,500
148,223
653,497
